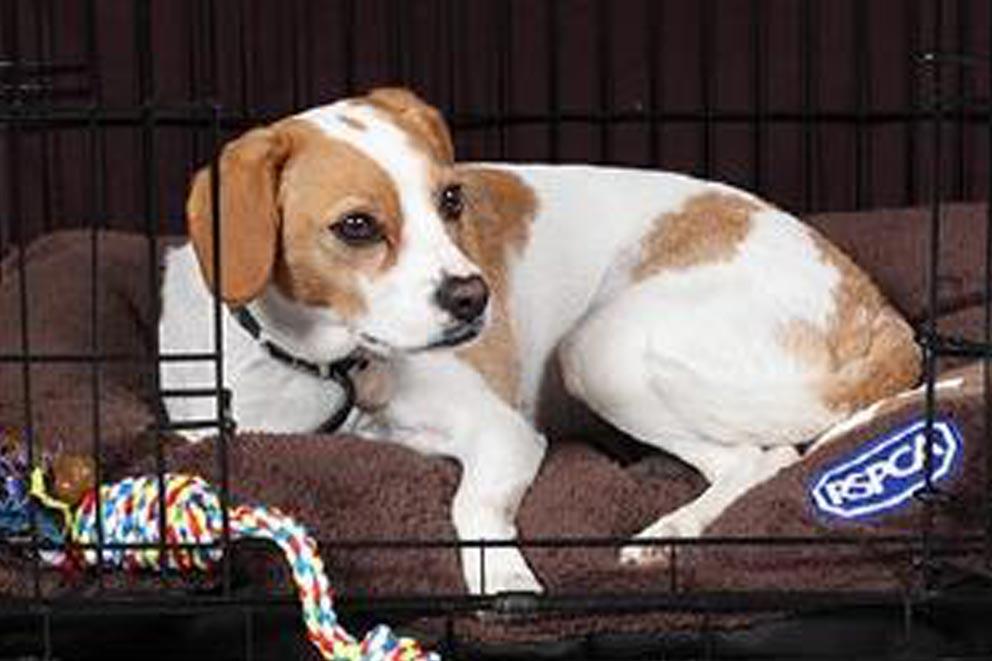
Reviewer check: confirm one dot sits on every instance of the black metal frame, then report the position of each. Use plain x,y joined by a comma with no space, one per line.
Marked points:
41,95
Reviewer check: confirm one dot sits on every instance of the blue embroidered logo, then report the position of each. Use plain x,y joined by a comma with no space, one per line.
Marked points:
886,472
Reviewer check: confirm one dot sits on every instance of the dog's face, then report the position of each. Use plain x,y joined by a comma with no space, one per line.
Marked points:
350,208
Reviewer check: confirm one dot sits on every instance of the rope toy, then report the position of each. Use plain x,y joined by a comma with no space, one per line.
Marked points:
130,510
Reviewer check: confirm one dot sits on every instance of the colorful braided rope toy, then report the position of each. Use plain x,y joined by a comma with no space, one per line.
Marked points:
130,510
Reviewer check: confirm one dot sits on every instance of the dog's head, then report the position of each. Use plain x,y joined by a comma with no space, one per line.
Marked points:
352,209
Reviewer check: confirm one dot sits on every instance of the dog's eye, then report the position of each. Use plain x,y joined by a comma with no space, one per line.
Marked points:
358,229
451,203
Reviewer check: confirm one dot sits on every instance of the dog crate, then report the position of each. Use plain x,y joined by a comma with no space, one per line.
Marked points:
827,109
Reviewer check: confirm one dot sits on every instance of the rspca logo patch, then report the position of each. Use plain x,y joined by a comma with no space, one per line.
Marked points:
885,473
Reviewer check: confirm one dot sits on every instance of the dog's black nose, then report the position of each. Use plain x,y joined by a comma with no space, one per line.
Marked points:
464,298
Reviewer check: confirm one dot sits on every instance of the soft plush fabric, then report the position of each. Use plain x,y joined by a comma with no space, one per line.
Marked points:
350,489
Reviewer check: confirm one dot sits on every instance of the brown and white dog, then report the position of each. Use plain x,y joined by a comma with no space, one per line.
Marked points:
689,314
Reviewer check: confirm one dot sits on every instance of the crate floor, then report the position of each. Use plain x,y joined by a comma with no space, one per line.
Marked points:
849,634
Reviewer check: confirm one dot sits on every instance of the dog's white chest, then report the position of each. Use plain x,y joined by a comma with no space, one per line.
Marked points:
266,395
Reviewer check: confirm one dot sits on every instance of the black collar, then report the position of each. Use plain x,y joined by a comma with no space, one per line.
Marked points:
337,371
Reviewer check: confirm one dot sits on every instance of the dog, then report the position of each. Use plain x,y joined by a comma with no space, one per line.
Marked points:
689,314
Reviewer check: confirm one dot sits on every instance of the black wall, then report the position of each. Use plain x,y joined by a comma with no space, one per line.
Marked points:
813,103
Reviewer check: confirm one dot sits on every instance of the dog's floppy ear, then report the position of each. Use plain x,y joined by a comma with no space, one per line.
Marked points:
249,216
417,116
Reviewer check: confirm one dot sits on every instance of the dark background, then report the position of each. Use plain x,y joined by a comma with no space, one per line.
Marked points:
816,104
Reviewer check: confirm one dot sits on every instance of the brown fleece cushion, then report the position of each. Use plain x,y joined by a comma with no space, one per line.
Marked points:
346,489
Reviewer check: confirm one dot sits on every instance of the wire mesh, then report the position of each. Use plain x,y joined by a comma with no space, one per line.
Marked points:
525,87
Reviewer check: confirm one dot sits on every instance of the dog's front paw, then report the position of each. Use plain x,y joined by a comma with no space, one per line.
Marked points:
505,571
677,525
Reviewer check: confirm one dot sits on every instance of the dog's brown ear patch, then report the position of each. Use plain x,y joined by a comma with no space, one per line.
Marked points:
421,120
499,211
249,217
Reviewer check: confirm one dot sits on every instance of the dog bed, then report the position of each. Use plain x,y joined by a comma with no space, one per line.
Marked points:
344,488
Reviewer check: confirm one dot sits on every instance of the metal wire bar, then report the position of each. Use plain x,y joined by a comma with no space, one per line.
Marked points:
244,54
796,541
652,43
39,92
930,355
504,74
808,76
441,604
604,50
673,568
37,67
911,127
178,116
451,12
482,565
188,393
956,347
461,22
394,40
145,86
961,544
57,151
862,135
45,169
208,19
707,26
347,34
97,217
709,645
221,422
407,41
192,75
554,116
987,322
96,220
450,647
758,92
964,74
295,61
30,358
18,239
203,17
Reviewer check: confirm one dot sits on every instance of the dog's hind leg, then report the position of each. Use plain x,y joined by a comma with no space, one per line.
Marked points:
730,470
739,469
692,388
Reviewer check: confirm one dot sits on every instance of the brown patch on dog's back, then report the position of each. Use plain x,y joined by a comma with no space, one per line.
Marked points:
867,351
708,228
496,222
